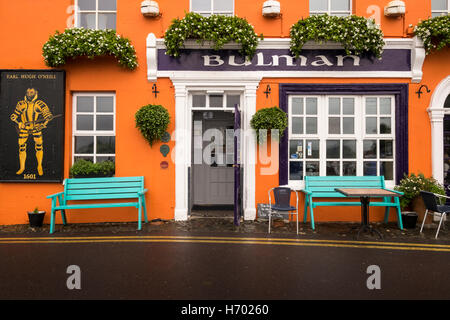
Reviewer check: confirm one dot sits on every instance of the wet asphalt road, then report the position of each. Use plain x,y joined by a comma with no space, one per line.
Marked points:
166,267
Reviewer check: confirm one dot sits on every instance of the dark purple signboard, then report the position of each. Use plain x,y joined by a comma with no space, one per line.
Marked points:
282,60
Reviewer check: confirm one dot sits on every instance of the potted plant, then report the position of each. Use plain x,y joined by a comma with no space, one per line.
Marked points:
434,33
86,169
267,119
36,218
152,121
411,202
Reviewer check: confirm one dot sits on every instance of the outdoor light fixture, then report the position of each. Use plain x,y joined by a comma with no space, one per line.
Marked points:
395,9
271,9
150,8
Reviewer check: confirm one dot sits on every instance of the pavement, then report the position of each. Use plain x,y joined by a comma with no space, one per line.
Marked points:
198,225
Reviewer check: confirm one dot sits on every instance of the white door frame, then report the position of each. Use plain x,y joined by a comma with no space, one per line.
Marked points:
436,112
197,81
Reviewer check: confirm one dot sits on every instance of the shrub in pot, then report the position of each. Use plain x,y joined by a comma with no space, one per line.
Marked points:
36,218
152,121
86,169
267,119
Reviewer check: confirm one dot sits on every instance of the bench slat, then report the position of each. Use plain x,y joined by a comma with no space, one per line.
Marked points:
102,196
102,191
102,180
72,186
98,205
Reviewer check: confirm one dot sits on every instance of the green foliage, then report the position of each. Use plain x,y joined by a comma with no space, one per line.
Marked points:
78,42
86,169
218,29
357,35
411,186
267,119
152,121
434,32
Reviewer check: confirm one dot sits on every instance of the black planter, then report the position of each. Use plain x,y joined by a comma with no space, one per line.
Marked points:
409,220
36,219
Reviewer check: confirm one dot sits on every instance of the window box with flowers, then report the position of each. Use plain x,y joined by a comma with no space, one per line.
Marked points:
217,30
77,42
357,35
434,32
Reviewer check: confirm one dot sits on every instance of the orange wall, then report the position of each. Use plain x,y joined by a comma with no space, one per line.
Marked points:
27,24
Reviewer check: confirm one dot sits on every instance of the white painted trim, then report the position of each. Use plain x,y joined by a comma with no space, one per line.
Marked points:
417,59
436,112
152,58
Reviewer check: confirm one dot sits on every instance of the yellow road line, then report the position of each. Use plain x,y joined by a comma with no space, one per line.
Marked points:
228,241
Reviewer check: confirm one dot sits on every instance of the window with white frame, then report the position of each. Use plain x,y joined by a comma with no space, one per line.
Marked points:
209,7
331,7
96,14
440,7
94,121
341,136
214,100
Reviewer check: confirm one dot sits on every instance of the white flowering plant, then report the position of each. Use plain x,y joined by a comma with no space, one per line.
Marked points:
218,29
76,42
434,32
357,35
412,184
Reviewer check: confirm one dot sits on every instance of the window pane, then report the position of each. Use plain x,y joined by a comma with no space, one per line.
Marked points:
201,5
295,170
385,125
311,125
91,159
297,106
84,144
340,5
387,170
296,149
199,101
334,125
371,125
85,104
107,21
333,149
334,106
85,122
87,20
297,125
106,144
86,4
370,168
349,168
105,104
311,105
371,105
370,149
385,106
105,123
438,4
101,159
348,125
232,100
318,5
216,101
312,149
386,149
349,149
312,168
109,5
333,168
223,5
348,106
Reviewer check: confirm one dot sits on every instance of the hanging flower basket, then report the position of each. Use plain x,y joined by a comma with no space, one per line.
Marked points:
152,121
217,29
78,42
267,119
434,32
357,35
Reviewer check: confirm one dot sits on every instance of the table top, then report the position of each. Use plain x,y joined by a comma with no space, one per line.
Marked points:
367,192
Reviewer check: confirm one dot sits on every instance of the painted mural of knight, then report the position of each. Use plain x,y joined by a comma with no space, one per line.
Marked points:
31,117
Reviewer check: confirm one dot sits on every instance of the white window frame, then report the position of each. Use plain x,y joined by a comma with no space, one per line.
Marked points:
209,93
359,135
435,13
212,11
92,133
78,11
332,13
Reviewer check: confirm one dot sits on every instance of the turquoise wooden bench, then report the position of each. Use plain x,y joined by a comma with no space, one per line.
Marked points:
80,189
324,187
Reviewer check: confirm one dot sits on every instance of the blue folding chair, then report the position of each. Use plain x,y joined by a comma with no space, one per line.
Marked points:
282,202
433,207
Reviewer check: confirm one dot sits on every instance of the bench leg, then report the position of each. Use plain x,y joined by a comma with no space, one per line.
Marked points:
386,214
63,216
305,214
145,208
399,217
52,222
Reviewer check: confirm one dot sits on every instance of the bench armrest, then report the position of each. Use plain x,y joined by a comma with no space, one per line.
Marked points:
55,195
306,191
395,191
142,192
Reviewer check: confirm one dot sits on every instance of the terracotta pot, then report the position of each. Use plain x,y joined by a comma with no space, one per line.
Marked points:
419,207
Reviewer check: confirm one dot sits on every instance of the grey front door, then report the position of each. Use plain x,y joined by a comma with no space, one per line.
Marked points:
213,155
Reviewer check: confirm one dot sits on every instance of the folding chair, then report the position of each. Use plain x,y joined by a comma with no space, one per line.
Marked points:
432,205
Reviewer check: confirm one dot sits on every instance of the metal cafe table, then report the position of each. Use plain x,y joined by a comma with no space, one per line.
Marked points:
364,194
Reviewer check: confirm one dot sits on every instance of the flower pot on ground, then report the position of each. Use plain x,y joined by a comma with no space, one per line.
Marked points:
36,218
409,219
